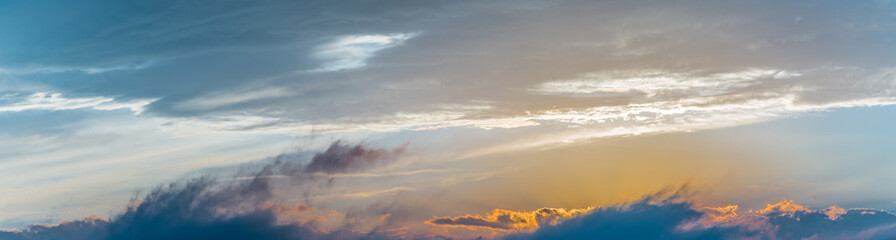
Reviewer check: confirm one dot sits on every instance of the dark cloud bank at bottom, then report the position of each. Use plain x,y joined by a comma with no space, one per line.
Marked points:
663,216
184,211
204,208
193,210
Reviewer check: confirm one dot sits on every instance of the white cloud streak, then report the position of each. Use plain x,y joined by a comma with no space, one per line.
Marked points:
653,82
56,102
216,100
63,69
353,51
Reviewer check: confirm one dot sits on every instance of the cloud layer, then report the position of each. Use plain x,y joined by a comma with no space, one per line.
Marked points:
673,216
204,208
317,67
116,94
501,219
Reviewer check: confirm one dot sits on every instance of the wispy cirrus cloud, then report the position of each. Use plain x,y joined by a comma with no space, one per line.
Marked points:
17,102
87,70
353,51
221,99
432,56
657,82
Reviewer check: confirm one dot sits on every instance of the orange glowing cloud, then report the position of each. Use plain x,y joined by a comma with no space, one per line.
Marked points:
785,207
721,214
833,212
788,208
500,219
781,220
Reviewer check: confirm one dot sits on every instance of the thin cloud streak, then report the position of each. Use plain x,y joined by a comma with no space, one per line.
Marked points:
58,102
353,51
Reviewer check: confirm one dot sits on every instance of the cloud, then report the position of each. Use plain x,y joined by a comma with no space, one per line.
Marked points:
638,220
656,82
818,224
678,216
369,193
785,207
88,70
833,212
216,100
191,210
615,68
501,219
243,66
203,208
353,51
17,102
341,158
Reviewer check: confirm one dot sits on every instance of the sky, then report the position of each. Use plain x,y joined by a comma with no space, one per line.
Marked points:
549,119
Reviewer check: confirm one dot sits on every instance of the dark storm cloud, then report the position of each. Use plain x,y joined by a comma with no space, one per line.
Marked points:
204,208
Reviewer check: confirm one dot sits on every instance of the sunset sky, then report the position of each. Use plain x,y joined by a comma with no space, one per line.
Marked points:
546,119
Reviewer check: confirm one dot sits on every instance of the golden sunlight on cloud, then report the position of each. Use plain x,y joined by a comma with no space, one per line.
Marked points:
723,213
776,221
785,207
508,220
834,212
